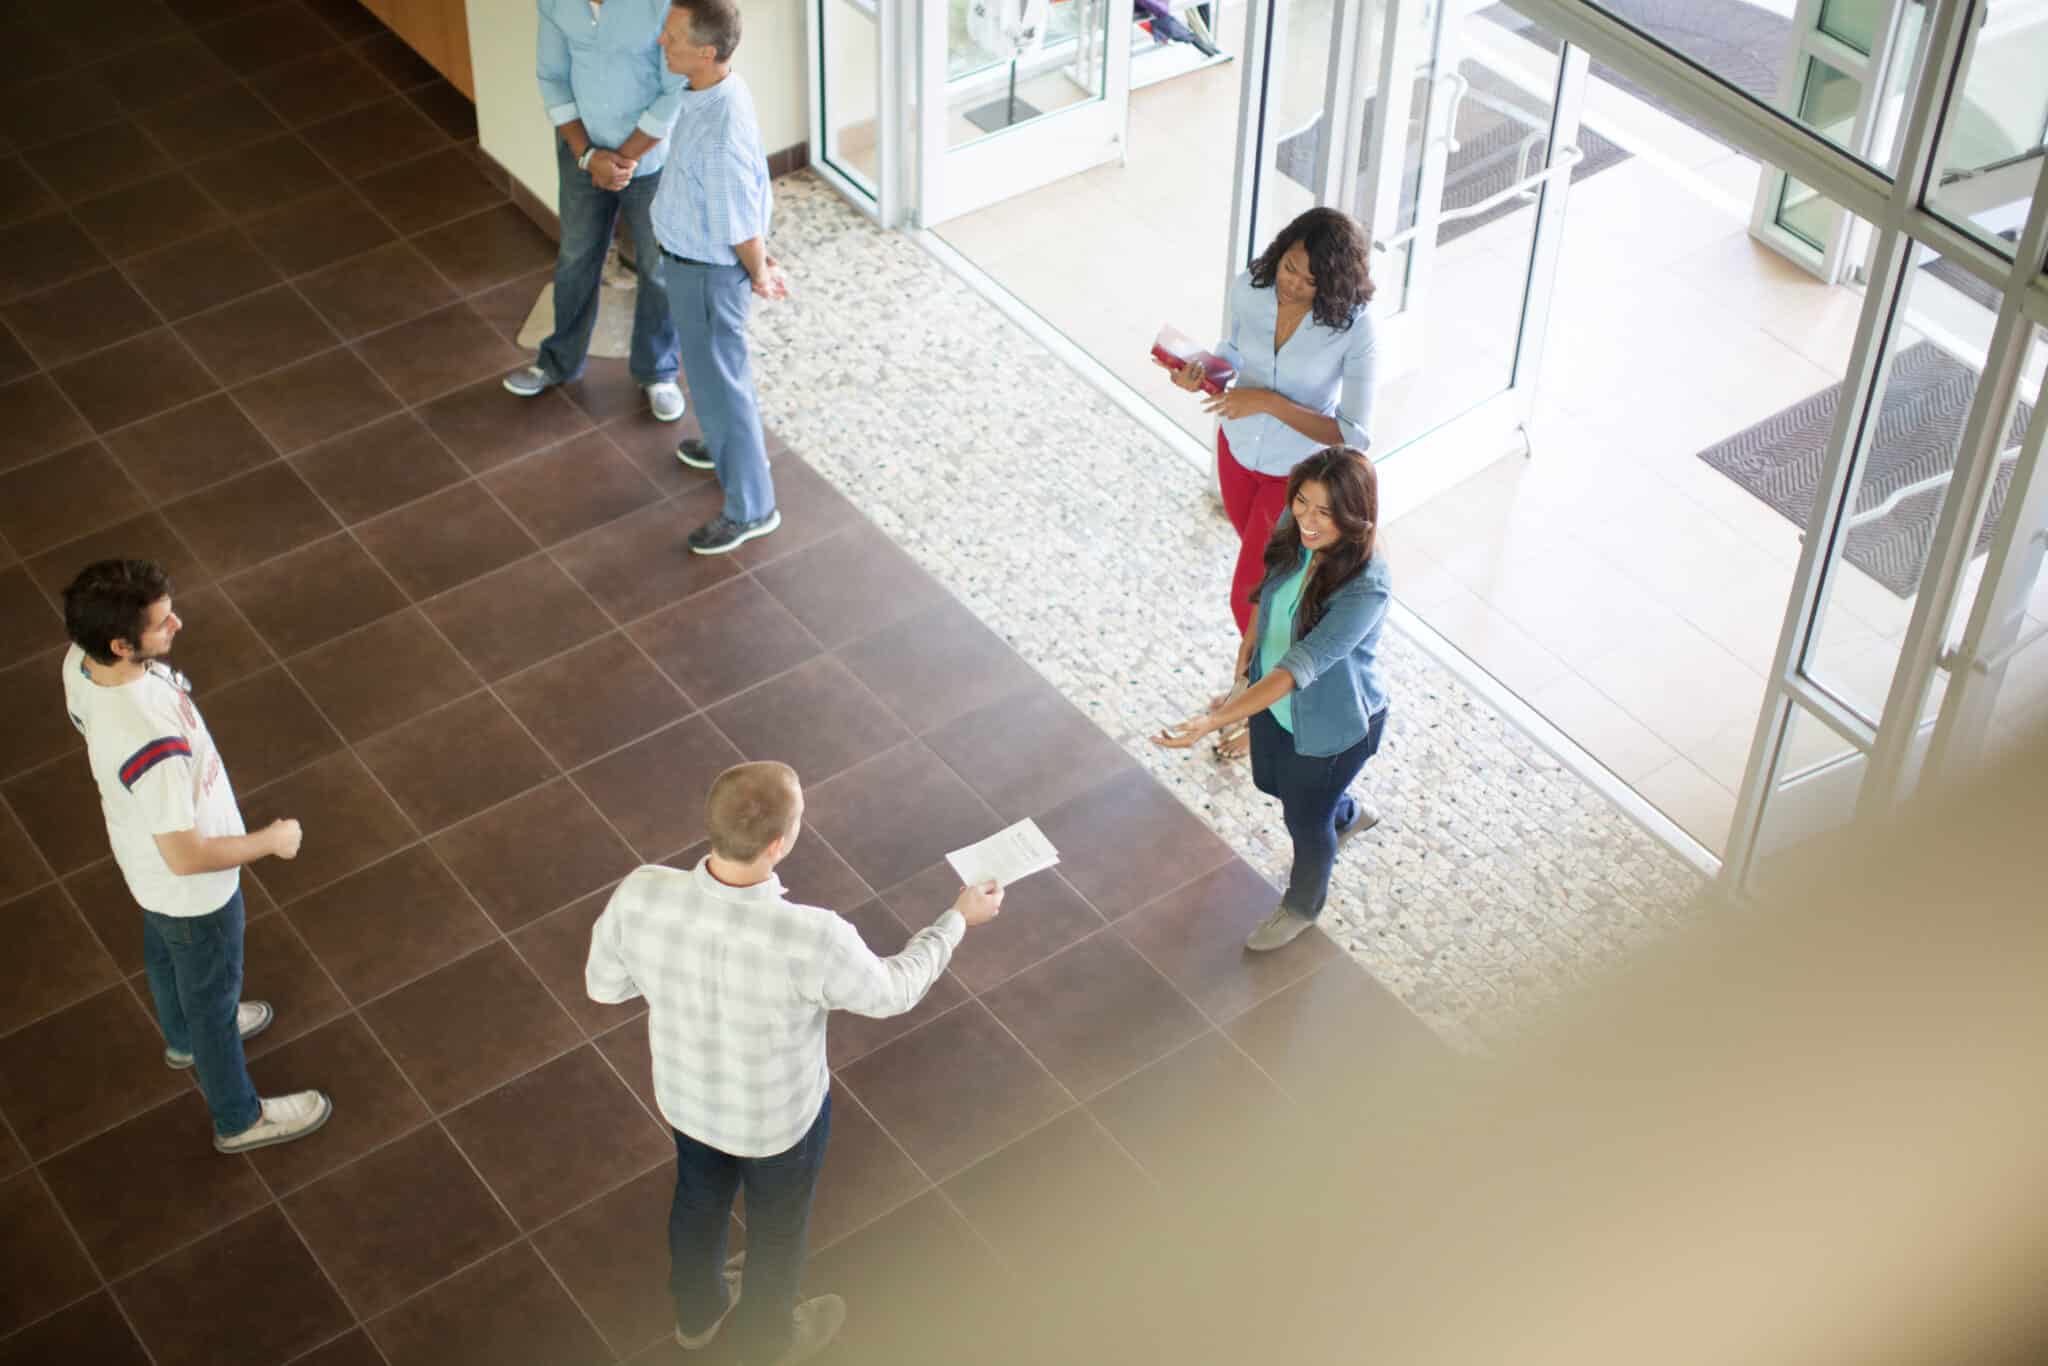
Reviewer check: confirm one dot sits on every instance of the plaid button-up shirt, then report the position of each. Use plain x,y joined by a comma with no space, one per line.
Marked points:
738,982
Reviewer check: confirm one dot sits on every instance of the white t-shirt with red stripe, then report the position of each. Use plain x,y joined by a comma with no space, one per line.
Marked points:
158,773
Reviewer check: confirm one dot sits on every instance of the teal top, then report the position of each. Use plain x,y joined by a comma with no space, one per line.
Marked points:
1279,635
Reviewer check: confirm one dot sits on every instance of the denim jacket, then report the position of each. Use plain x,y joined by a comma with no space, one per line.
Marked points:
1336,671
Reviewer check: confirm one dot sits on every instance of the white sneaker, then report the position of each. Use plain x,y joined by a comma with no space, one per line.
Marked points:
251,1019
665,400
283,1119
732,1301
818,1321
527,382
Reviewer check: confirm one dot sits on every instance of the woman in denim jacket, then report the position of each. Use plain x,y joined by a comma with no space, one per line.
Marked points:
1309,675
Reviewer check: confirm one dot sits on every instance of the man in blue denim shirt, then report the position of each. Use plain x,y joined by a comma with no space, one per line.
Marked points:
612,99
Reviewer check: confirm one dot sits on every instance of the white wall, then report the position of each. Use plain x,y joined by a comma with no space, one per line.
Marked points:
514,129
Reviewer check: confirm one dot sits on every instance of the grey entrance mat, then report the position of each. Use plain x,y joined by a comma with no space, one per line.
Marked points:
1742,44
1501,132
1966,284
1925,404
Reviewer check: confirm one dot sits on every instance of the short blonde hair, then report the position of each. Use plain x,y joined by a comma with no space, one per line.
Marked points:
750,806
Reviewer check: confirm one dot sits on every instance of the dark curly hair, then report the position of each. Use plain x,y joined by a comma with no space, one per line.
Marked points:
1353,488
1337,251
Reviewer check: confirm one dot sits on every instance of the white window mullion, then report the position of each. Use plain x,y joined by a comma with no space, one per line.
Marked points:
1860,385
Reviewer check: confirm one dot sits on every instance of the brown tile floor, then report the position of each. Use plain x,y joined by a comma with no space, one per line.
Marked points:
455,634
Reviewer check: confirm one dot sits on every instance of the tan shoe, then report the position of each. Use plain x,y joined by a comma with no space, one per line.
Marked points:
732,1300
283,1119
1277,930
818,1321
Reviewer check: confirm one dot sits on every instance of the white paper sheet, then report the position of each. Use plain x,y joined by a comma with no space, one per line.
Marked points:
1005,856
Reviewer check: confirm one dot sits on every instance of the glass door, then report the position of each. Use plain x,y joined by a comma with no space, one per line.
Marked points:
1017,94
1470,140
1845,76
854,50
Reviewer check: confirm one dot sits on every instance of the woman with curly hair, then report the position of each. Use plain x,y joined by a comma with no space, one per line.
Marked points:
1315,702
1298,333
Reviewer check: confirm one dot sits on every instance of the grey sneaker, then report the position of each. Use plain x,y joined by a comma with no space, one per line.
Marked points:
818,1321
528,382
1365,819
251,1019
1277,930
283,1119
722,533
732,1300
665,400
695,454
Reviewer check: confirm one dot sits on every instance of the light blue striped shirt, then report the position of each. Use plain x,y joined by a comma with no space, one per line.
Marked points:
607,69
716,193
1320,367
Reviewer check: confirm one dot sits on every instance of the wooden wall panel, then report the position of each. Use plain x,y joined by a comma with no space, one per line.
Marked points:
436,29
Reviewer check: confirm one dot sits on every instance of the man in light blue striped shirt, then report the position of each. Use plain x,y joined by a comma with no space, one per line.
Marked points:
611,98
711,216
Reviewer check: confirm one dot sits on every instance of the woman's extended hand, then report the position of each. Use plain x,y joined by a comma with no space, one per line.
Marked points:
1184,734
1189,376
1238,401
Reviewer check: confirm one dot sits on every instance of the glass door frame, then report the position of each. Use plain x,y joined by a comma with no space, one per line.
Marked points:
952,181
1902,750
920,181
884,202
1874,128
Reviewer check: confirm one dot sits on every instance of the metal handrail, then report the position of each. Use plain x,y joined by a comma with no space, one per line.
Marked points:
1567,159
1918,486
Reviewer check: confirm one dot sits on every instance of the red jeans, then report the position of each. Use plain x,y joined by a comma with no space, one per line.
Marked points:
1254,503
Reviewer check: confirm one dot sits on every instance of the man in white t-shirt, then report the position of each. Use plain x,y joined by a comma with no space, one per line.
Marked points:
178,838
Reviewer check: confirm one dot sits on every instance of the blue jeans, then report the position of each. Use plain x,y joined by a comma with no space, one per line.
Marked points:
711,304
778,1233
588,215
1313,802
195,974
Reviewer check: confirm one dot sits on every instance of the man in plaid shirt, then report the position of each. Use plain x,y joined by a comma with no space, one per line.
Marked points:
738,981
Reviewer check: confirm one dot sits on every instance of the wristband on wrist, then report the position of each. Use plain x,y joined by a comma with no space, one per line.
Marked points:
583,162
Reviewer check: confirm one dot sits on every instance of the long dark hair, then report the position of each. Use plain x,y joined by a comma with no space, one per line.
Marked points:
1354,491
1337,257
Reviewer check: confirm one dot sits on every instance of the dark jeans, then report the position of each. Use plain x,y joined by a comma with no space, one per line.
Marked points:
1313,802
779,1192
588,215
195,974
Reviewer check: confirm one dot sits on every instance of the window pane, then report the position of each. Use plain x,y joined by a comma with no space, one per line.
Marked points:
850,64
1900,485
1828,104
1805,213
1747,46
996,81
1855,22
1992,140
2021,706
1299,130
1815,783
1630,579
